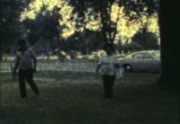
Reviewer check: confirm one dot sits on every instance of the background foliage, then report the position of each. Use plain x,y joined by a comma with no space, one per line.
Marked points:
81,25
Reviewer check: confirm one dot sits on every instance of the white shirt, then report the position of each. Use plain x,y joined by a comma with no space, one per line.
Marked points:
107,65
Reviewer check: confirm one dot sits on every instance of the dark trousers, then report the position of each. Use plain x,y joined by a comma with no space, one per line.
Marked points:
108,82
26,75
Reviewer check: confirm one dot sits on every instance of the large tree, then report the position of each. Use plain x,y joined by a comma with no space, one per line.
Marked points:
103,10
45,27
146,40
10,30
169,47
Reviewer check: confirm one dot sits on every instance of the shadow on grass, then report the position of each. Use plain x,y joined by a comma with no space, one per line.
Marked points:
76,98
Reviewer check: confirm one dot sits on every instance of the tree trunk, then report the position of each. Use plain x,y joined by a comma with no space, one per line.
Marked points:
169,48
0,50
0,56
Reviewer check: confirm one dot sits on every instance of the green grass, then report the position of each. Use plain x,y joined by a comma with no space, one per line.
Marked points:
44,60
76,98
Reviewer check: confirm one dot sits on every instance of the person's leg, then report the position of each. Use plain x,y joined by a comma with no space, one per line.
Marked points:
111,80
31,82
105,83
22,85
108,82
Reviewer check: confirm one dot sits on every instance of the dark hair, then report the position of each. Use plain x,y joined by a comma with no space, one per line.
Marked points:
22,45
22,42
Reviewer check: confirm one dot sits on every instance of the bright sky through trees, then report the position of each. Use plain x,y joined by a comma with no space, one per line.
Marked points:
125,28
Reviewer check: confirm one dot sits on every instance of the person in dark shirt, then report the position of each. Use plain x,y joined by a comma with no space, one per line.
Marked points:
26,63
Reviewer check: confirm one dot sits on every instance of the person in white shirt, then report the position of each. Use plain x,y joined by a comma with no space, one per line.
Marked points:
107,68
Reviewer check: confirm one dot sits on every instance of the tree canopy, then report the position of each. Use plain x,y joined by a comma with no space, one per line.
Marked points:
55,21
109,16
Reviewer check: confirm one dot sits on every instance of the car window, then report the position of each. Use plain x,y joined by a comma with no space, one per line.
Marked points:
142,56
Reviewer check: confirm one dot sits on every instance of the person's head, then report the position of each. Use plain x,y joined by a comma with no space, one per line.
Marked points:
22,45
109,48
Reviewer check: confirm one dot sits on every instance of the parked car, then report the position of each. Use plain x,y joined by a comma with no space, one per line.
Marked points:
142,61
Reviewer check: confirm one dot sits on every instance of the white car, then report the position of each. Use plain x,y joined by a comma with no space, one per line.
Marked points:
142,61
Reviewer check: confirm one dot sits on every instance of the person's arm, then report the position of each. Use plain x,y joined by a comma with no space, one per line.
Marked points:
35,63
16,64
98,67
34,60
116,63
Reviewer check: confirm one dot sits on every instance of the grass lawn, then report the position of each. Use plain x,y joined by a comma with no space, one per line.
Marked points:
76,98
